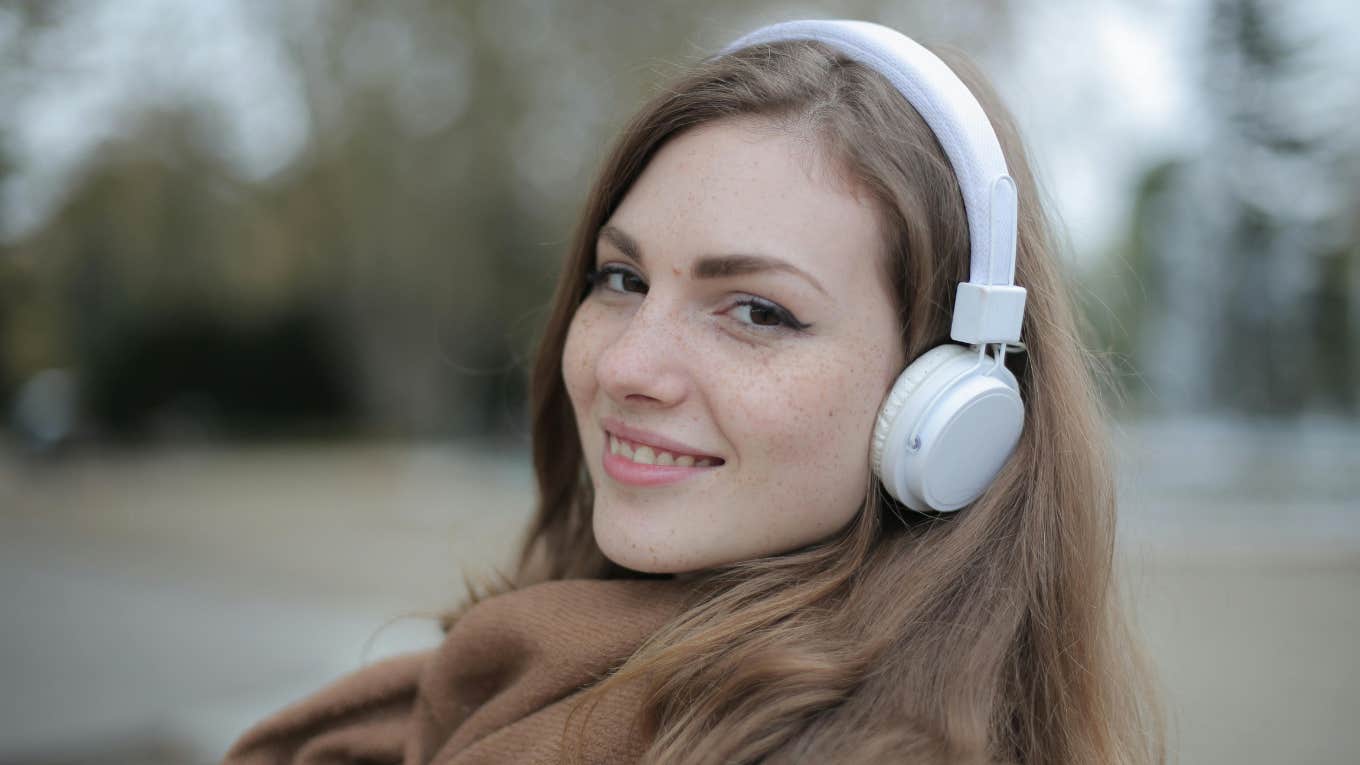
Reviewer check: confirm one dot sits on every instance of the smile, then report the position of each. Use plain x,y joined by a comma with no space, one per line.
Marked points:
643,454
635,463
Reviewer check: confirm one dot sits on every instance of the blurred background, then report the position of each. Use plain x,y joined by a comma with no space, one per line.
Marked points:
271,274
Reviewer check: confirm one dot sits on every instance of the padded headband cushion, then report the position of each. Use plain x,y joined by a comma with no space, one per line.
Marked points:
988,308
951,111
907,383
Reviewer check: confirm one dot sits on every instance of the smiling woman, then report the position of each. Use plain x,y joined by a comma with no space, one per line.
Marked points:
772,364
745,403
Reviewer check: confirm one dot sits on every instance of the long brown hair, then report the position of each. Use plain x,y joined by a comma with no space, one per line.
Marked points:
996,633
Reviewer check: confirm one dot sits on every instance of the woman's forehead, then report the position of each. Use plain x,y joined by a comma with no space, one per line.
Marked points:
726,188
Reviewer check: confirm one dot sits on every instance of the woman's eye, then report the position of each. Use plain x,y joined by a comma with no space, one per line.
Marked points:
617,279
762,313
758,313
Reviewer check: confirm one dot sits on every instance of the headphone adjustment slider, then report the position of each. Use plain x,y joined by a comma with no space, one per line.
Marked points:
987,313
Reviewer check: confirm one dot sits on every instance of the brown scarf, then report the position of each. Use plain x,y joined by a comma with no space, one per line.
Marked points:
498,690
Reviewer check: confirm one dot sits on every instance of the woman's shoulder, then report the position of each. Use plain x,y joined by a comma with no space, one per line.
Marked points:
510,661
362,715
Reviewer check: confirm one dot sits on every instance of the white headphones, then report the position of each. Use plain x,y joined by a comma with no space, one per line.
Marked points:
954,416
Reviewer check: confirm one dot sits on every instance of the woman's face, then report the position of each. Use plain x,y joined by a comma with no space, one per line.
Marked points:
739,336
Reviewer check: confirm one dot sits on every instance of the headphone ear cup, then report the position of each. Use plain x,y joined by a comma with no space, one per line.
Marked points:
964,415
907,382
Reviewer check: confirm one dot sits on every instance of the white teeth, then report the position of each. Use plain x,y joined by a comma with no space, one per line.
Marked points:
646,455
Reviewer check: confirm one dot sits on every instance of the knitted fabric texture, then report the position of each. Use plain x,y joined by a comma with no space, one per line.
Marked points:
497,690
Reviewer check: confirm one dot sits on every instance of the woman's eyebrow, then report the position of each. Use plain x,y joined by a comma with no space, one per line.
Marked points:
712,266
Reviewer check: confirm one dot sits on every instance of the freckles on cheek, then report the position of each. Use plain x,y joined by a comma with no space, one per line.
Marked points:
806,411
826,408
578,356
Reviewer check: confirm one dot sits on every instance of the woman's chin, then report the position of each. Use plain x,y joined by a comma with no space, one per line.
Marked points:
648,551
636,556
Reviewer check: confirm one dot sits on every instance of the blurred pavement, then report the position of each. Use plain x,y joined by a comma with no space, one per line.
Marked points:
157,603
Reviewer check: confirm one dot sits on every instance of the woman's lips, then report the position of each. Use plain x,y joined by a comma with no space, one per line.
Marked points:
655,441
620,463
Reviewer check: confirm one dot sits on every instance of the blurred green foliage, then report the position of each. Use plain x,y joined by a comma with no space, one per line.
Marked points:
405,255
1238,287
390,277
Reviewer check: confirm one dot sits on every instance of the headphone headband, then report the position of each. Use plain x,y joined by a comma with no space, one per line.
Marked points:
988,308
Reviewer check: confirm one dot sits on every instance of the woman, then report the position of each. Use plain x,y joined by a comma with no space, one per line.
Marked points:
727,564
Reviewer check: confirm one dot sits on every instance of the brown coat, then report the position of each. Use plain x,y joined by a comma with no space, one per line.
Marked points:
497,690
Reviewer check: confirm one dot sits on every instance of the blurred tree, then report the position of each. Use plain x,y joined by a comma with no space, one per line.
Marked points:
156,283
398,264
9,296
1245,259
18,333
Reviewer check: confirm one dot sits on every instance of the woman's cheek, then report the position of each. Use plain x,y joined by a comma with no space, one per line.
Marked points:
783,409
578,356
798,395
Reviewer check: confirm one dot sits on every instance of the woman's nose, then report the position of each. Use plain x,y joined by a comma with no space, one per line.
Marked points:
646,362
